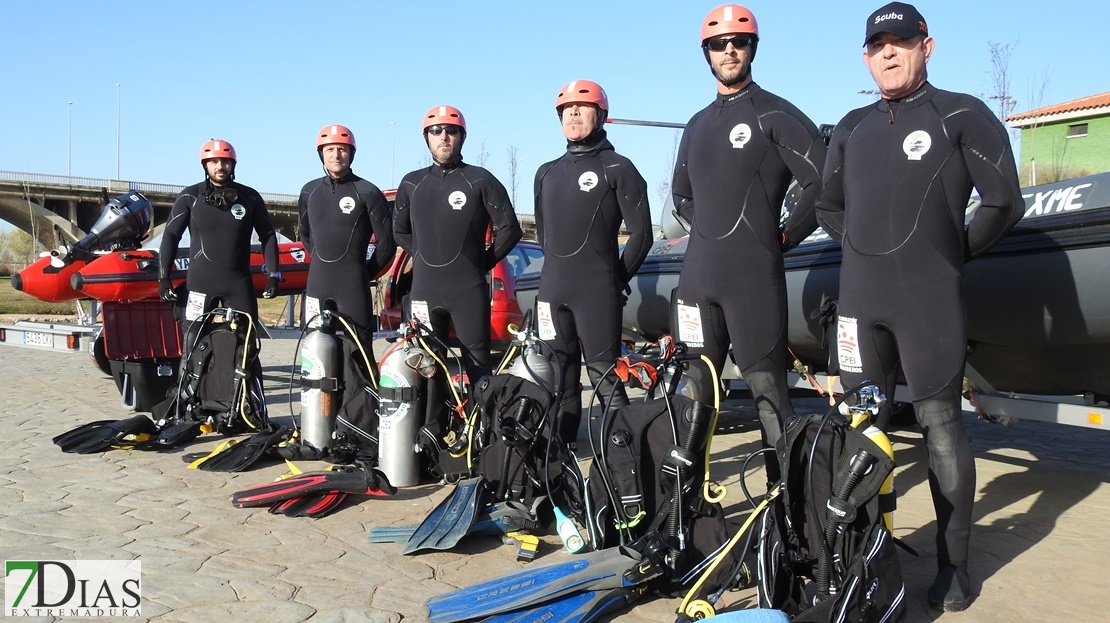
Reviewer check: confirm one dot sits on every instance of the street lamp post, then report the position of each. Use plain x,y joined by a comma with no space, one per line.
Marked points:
69,144
1005,105
392,151
117,130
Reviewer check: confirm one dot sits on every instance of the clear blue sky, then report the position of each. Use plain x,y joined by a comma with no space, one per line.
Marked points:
267,75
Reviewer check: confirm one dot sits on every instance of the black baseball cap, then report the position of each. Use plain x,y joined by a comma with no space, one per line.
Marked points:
897,18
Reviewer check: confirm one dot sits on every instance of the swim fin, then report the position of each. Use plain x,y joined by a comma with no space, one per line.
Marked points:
392,534
239,456
106,434
494,519
313,505
594,571
348,479
173,435
577,608
452,519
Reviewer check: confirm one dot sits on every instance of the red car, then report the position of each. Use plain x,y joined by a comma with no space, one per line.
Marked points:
504,309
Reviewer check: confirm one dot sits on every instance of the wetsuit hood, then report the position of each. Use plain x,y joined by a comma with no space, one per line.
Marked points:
596,141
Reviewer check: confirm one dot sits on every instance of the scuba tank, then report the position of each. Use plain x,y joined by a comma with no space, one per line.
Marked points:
531,364
870,399
401,387
321,385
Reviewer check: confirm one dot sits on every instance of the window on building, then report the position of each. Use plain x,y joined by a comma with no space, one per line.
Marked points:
1077,129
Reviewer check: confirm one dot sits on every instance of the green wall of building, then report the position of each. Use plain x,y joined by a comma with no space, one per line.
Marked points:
1058,157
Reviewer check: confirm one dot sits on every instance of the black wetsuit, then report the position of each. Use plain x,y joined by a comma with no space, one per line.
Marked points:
337,218
581,200
440,217
219,261
735,163
897,182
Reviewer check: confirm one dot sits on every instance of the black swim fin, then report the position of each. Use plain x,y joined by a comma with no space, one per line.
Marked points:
236,457
107,434
349,479
173,435
452,519
595,571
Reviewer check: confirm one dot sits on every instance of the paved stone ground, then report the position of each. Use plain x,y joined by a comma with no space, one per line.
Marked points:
1040,539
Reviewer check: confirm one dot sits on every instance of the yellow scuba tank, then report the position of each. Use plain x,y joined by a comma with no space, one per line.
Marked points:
859,419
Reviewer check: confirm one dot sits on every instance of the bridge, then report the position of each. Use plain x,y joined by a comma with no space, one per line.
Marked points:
36,203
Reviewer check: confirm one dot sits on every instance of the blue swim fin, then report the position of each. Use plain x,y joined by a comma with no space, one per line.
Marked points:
452,519
494,519
577,608
594,571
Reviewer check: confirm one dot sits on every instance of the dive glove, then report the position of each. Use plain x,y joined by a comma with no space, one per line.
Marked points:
271,290
166,291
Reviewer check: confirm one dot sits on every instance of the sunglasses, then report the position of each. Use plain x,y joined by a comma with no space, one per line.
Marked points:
436,130
737,41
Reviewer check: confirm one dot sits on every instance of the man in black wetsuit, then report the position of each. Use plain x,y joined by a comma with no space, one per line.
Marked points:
897,181
581,200
338,214
735,163
220,215
441,217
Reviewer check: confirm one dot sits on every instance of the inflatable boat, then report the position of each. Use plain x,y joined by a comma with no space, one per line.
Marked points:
1038,304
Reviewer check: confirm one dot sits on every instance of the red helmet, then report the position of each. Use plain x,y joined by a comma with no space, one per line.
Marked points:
217,148
444,115
333,135
728,19
582,92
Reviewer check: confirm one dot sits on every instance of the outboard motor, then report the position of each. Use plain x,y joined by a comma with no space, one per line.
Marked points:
123,224
321,384
402,383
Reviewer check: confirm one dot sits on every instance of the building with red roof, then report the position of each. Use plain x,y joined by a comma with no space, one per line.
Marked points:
1065,140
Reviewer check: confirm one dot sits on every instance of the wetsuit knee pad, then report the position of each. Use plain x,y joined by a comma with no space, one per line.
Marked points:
949,449
771,400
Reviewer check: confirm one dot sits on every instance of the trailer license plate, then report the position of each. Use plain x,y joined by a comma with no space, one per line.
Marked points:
38,339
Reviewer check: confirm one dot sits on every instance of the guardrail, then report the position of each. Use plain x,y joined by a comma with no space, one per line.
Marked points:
116,185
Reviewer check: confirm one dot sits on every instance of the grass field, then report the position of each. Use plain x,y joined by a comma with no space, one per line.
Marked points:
14,302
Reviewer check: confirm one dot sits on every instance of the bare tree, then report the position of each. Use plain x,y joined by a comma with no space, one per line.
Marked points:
425,160
664,188
513,156
1037,93
1000,77
483,155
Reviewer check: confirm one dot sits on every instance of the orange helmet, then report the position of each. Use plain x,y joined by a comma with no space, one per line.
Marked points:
582,92
217,148
335,134
728,19
444,115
